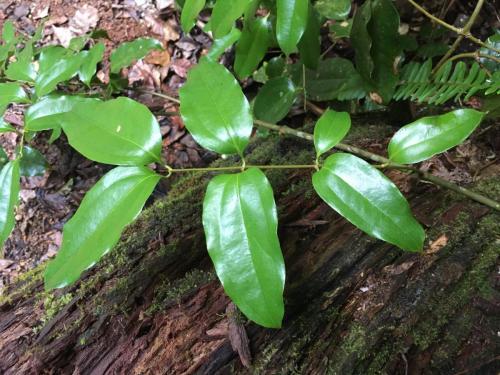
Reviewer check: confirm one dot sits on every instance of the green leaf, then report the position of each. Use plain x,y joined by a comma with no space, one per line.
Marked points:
310,43
55,134
221,44
494,41
377,43
76,44
8,32
224,14
330,129
214,109
112,204
275,67
341,29
120,131
240,222
291,23
190,12
335,79
129,52
334,9
252,46
4,159
5,126
47,112
89,64
362,40
10,40
11,93
369,200
274,100
9,196
32,163
432,135
21,70
55,66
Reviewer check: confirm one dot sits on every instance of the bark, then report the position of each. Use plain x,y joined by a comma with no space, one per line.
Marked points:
354,305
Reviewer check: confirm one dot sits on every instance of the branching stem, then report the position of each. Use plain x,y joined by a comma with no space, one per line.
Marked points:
383,161
465,30
457,30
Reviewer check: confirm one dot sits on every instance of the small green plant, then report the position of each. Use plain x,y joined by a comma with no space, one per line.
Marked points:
239,212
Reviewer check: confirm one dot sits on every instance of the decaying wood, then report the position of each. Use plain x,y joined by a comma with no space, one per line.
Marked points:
354,305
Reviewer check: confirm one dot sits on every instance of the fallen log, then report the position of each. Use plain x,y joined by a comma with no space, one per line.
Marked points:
354,305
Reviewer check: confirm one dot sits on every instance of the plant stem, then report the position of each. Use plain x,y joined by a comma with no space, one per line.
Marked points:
467,35
161,95
466,30
240,167
474,55
386,163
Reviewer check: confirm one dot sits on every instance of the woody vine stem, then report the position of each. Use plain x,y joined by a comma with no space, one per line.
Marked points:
384,162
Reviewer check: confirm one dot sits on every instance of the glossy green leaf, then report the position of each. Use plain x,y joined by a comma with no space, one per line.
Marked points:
334,9
291,23
5,126
224,14
310,43
9,196
335,79
11,93
89,64
330,129
214,109
21,70
113,203
56,66
129,52
47,112
190,12
252,46
32,163
275,99
120,131
221,44
432,135
240,222
369,200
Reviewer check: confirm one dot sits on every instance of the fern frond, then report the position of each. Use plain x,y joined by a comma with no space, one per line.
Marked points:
450,82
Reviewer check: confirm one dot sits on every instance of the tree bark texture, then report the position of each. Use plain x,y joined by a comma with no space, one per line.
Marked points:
354,305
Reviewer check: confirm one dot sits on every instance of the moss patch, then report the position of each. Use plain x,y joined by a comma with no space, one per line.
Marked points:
173,291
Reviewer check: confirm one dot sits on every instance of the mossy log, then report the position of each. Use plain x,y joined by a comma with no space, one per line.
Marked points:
354,305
